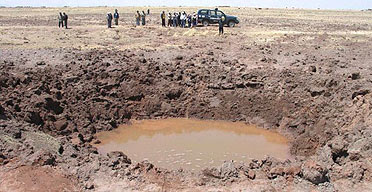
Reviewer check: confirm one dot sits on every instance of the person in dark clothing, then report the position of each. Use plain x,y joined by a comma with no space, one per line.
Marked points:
109,20
116,17
221,23
175,20
60,20
163,16
179,19
138,18
143,16
170,21
148,11
189,20
194,19
65,18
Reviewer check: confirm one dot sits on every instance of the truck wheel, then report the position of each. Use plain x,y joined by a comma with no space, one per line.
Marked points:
231,24
205,23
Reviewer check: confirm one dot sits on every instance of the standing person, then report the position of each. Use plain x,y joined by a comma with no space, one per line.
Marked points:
148,11
183,19
138,18
221,23
170,21
162,16
109,20
143,18
116,17
65,18
175,20
194,20
60,20
189,20
179,19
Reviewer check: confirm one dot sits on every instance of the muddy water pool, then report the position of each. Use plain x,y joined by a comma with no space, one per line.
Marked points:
192,144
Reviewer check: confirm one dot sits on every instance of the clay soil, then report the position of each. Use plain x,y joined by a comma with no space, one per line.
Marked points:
304,73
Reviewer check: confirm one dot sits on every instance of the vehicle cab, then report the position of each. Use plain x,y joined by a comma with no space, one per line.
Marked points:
212,16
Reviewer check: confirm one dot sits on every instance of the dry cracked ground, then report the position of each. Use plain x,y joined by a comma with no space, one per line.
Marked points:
304,73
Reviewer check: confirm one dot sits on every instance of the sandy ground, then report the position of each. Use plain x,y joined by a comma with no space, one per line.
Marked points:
304,73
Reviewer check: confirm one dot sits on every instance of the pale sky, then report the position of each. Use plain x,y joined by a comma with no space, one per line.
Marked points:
311,4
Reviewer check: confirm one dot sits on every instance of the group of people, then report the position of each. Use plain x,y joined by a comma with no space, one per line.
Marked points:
62,20
179,19
141,17
109,18
182,20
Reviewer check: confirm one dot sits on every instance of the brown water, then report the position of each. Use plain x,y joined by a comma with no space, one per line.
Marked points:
192,144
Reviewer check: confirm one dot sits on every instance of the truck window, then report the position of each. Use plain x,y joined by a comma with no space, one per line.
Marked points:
219,13
212,12
203,12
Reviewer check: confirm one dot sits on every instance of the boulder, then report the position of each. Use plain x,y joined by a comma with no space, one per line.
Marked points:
351,170
143,166
249,173
117,158
229,170
314,172
42,158
275,172
254,164
147,166
325,156
359,148
212,172
292,170
61,125
338,149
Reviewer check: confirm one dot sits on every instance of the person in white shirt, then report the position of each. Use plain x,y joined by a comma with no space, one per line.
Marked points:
183,19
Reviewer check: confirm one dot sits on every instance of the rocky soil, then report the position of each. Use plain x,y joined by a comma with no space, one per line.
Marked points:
53,101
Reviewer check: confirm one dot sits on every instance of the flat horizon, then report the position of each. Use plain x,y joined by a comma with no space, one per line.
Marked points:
296,4
330,9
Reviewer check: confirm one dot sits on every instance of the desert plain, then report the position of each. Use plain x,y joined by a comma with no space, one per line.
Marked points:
306,74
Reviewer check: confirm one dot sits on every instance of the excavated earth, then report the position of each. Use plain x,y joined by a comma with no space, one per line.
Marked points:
317,93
